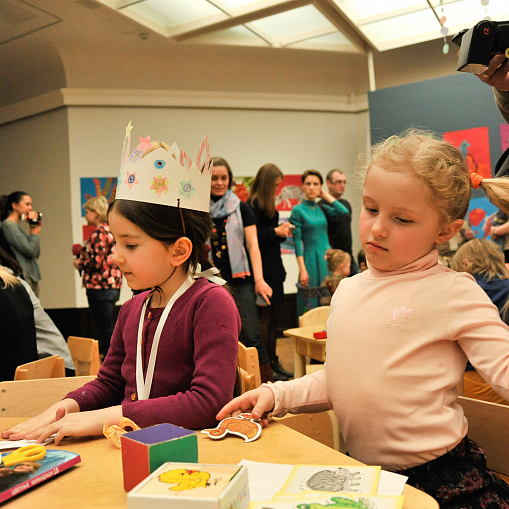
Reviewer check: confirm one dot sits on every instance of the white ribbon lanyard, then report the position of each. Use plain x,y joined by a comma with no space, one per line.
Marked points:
143,387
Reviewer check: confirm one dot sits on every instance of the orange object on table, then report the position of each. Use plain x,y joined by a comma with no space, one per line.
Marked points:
320,335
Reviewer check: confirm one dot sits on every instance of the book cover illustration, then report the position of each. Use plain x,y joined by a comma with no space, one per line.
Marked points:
23,476
192,480
350,479
343,500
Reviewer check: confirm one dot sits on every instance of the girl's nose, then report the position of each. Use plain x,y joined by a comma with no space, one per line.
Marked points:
119,260
379,229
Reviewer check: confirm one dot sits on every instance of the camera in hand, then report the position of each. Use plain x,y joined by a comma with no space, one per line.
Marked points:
32,221
479,44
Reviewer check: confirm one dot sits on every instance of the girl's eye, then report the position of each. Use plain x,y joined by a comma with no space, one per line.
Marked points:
404,221
130,246
370,210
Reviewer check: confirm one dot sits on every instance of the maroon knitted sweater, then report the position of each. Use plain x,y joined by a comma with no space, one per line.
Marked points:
196,361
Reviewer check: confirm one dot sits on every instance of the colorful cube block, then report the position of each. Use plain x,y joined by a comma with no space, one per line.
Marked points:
145,450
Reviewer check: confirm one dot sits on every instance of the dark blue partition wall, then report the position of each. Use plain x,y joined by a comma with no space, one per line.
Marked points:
445,104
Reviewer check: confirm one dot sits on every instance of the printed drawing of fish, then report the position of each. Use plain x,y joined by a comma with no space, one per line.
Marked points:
243,425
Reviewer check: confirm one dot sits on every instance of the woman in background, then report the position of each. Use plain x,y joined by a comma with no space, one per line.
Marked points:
236,254
271,234
310,234
101,276
14,208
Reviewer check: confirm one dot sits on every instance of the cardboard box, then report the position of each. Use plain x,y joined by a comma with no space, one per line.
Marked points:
145,450
192,486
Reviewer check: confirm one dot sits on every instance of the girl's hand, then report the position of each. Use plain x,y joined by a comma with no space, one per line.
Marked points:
283,230
263,289
258,401
78,424
304,278
20,431
77,263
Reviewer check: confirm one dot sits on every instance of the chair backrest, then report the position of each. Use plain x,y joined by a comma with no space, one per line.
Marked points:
316,316
27,398
322,427
85,354
487,425
49,367
248,360
247,381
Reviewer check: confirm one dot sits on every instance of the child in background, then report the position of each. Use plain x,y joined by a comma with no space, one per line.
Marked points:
399,334
173,354
484,260
361,260
338,263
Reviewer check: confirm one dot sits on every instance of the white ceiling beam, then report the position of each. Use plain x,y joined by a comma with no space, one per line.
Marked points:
344,24
122,4
312,34
239,16
262,35
221,6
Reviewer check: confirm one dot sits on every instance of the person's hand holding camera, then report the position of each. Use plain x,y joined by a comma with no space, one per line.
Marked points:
34,219
497,73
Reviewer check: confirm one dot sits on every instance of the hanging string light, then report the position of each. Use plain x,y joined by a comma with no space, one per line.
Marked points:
485,4
443,29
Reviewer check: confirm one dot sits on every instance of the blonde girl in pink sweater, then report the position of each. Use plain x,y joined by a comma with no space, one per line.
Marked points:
400,333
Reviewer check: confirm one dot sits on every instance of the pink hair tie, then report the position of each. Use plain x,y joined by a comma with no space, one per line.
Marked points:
475,180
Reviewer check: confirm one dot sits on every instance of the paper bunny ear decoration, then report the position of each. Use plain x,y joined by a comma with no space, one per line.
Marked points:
152,173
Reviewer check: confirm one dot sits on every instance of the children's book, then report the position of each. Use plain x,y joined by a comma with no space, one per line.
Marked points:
350,479
21,477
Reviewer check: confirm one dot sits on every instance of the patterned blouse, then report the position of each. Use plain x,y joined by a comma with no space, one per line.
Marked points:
96,260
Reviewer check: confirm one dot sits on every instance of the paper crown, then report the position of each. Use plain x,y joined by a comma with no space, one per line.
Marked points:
164,177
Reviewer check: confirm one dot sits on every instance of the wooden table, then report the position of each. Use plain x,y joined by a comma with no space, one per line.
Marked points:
306,344
97,481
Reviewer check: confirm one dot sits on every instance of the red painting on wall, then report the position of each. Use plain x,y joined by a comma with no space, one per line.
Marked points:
475,146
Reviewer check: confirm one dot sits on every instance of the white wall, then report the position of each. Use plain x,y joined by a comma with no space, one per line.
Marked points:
294,140
35,158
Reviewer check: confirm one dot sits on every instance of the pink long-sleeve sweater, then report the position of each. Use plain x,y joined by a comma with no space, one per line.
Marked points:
397,347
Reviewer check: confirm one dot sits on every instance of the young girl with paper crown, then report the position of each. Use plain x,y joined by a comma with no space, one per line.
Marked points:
399,334
173,353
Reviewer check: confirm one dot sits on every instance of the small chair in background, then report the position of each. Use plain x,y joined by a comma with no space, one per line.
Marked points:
247,359
312,292
49,367
85,354
316,316
28,398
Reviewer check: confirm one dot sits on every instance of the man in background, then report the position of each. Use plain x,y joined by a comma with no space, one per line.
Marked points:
340,228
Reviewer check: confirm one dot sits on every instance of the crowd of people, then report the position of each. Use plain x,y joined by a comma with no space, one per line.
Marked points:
206,270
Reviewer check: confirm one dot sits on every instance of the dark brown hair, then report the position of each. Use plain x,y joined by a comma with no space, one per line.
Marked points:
315,173
263,187
165,223
6,202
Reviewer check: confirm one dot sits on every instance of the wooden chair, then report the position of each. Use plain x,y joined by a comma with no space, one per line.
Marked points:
247,359
85,354
487,425
247,381
49,367
316,316
322,427
27,398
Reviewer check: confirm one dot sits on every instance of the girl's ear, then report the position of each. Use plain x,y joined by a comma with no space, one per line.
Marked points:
465,264
449,231
181,251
